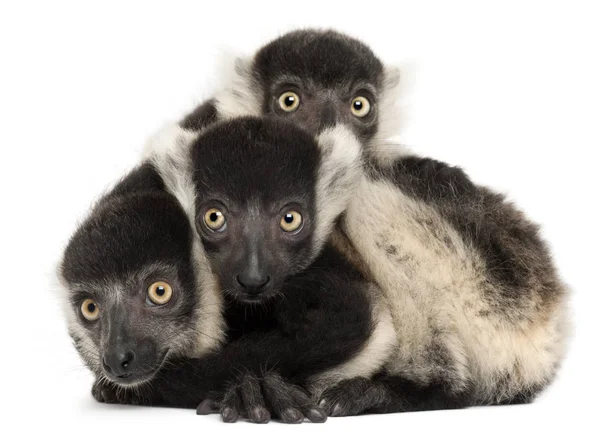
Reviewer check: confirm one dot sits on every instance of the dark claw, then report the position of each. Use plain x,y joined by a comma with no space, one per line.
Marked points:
316,415
291,415
207,406
229,415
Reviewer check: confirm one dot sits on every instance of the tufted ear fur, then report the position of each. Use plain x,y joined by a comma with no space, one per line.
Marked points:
169,152
240,94
338,176
385,146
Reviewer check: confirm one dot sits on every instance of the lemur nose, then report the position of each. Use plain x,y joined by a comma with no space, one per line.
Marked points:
119,363
253,283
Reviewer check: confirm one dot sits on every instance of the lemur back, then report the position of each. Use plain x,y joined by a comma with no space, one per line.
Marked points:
474,296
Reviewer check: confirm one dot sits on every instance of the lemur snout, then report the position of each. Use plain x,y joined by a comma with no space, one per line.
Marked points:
120,363
254,283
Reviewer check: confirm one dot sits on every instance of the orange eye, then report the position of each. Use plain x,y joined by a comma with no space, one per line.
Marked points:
90,310
289,101
160,293
291,221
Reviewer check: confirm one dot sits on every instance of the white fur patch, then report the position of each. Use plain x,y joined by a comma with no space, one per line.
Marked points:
169,151
338,175
384,146
240,96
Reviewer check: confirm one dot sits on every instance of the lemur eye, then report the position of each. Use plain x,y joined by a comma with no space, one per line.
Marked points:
291,221
289,101
160,293
360,106
90,310
215,220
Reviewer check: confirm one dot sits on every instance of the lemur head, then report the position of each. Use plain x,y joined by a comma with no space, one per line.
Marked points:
131,286
318,79
267,195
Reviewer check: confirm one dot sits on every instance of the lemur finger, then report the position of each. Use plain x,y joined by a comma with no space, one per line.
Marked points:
352,397
230,406
309,408
253,400
207,406
278,395
106,395
97,392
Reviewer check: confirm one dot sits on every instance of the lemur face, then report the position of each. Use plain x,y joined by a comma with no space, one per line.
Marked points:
319,79
255,203
131,287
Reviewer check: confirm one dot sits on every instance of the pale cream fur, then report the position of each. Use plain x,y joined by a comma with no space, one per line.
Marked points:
169,151
433,284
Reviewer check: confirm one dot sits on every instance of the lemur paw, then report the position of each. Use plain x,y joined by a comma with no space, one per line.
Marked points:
111,394
258,397
352,397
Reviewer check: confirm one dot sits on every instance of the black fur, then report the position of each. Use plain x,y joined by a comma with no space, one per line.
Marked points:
201,117
272,349
254,170
389,394
287,340
327,57
326,69
136,235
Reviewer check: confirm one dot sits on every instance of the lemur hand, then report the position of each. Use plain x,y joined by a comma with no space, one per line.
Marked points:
259,397
109,393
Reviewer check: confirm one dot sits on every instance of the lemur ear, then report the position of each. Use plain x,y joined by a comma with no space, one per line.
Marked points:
338,175
240,94
386,145
168,150
391,79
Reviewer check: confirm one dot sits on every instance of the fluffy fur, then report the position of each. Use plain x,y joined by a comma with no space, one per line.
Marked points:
478,310
205,344
346,68
135,235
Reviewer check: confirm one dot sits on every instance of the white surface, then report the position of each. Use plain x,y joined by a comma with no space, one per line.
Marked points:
510,92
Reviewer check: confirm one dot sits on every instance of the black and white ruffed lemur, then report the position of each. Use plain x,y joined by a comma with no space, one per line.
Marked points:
477,311
147,313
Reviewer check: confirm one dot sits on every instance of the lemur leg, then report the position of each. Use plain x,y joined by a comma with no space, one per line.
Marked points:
388,394
354,396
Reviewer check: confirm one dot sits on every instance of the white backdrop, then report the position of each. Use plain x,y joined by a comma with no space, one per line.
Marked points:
508,90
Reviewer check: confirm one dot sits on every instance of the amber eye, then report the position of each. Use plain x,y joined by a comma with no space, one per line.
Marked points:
90,310
360,106
214,219
291,221
160,293
289,101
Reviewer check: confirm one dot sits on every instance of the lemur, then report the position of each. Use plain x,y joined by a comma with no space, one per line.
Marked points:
145,310
479,313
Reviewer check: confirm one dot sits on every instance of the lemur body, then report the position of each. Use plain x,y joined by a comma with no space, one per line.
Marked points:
476,303
478,313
